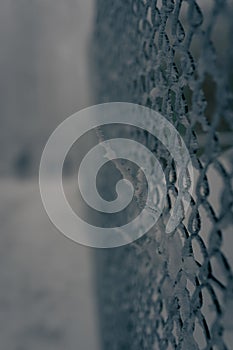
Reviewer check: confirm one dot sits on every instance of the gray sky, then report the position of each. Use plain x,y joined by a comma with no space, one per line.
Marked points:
43,72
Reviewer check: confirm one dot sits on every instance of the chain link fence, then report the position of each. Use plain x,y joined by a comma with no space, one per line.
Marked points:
172,291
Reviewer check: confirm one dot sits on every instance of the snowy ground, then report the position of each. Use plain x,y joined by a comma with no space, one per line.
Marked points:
47,298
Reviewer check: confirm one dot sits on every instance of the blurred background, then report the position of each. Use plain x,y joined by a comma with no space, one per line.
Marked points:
47,298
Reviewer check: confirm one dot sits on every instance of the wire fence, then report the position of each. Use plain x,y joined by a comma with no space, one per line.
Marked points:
172,291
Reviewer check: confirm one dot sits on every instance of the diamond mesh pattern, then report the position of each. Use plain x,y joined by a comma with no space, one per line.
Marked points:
172,291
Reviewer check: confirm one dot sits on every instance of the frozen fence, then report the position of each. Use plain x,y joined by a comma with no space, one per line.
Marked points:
172,291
